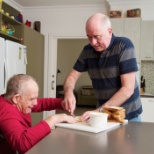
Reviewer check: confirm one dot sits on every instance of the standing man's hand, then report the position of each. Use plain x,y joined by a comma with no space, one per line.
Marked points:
69,103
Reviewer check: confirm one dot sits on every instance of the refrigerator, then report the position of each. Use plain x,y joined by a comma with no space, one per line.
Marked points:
2,65
13,60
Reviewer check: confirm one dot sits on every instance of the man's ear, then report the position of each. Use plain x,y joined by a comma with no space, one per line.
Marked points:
15,98
110,31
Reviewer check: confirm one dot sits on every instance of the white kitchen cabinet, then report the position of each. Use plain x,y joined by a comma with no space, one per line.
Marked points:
148,109
117,26
147,40
131,28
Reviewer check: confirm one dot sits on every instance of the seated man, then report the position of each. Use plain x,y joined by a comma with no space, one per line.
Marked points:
20,99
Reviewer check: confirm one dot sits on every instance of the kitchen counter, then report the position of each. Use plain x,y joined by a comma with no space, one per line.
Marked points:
132,138
147,95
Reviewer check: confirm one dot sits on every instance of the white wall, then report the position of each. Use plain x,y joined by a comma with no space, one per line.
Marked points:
63,22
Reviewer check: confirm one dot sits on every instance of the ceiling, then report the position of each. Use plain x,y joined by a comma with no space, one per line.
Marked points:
39,3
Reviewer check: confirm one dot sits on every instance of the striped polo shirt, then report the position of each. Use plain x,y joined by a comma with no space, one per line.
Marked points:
105,68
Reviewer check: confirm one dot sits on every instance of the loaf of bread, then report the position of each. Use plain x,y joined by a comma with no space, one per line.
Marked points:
115,114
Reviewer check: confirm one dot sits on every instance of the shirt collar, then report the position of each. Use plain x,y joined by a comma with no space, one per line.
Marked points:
111,43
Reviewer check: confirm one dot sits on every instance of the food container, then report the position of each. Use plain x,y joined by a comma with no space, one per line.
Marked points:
98,120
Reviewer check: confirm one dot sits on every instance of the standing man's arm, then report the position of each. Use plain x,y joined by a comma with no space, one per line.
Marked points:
125,92
69,84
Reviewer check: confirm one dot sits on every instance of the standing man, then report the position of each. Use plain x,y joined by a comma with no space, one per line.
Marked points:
111,64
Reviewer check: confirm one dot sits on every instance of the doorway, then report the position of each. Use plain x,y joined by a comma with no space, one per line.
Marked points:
51,66
68,51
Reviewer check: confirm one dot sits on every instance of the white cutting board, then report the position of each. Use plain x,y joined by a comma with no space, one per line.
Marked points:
86,127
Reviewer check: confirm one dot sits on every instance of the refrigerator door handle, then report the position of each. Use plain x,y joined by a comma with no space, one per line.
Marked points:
25,56
5,74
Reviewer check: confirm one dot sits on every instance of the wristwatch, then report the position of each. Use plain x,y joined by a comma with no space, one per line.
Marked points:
100,109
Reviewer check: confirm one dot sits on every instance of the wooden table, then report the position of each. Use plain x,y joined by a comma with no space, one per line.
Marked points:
132,138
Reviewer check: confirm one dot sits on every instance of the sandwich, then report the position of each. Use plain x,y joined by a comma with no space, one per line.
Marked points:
115,113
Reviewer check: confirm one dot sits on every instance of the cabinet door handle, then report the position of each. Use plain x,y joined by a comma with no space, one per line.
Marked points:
150,100
52,85
148,57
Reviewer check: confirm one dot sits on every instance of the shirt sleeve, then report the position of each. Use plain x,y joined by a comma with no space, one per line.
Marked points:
47,104
16,129
81,65
127,57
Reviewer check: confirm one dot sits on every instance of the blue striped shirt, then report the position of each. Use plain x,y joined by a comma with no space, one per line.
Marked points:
105,68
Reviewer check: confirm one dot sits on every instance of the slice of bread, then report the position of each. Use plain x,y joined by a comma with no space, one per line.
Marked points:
115,113
78,118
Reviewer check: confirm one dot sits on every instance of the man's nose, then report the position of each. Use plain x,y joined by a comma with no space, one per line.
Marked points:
93,41
35,102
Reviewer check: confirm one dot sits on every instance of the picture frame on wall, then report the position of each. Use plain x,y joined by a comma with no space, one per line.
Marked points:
115,14
134,13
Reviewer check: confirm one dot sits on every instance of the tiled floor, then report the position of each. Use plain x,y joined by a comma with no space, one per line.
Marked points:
79,110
